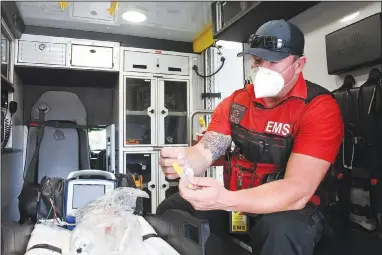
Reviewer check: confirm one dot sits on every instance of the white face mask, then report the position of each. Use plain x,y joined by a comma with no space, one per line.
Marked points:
267,83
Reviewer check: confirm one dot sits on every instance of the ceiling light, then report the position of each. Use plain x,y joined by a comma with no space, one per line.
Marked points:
134,16
349,17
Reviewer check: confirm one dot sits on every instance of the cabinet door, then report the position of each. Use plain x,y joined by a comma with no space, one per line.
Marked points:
166,187
173,111
92,56
144,164
139,105
142,62
5,55
42,53
169,64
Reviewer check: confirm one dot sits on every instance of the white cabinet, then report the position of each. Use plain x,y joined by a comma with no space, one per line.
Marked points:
166,187
41,53
155,103
144,164
146,62
170,64
156,111
142,62
92,56
38,50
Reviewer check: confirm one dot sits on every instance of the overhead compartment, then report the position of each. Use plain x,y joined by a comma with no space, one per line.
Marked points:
92,56
146,62
42,53
235,21
63,52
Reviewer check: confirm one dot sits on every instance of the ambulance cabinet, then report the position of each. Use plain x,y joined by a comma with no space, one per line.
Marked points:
156,111
145,164
92,56
146,62
42,53
62,52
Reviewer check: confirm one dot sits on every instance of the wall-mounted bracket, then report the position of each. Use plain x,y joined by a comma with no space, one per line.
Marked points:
211,95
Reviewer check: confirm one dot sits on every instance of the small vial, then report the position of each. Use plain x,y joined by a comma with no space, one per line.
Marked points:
183,174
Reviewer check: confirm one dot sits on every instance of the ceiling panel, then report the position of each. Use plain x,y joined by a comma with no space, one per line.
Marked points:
96,11
179,21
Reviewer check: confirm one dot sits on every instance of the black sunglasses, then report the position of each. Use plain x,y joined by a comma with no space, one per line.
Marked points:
270,43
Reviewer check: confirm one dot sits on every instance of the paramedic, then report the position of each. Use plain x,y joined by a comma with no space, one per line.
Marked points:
279,122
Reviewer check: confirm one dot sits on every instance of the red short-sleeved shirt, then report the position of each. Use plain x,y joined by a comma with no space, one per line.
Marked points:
318,131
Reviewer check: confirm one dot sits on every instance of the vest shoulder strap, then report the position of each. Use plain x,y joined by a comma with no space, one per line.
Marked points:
315,90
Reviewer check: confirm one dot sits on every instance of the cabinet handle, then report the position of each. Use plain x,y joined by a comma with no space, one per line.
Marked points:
42,46
140,66
92,51
163,111
152,110
152,186
164,186
174,69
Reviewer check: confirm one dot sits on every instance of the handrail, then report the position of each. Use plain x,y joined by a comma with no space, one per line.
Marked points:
192,115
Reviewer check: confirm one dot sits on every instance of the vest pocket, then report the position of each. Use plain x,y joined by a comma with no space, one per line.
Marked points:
261,147
243,178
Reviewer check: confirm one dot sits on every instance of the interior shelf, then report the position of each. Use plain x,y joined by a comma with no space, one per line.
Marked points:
6,85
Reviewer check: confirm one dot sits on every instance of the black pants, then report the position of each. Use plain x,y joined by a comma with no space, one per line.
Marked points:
282,233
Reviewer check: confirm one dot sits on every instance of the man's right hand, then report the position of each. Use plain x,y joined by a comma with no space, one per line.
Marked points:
168,156
199,157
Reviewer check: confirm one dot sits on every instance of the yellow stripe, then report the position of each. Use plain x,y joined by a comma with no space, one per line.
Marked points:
204,39
113,7
63,4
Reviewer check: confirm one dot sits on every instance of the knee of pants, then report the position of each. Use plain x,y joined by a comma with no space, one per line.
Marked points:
275,224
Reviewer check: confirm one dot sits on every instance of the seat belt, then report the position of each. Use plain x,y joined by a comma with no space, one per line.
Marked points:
30,173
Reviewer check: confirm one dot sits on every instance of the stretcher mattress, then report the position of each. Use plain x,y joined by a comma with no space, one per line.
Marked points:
48,239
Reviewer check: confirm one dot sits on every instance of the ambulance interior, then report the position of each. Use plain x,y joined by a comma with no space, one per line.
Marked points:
114,82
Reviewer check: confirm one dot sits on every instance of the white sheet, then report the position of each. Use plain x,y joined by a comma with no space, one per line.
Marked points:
48,234
60,237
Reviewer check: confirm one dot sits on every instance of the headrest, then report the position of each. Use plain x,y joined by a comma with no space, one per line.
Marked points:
349,81
375,73
374,76
60,105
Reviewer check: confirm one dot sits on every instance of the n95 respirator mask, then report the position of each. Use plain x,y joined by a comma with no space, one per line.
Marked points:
266,82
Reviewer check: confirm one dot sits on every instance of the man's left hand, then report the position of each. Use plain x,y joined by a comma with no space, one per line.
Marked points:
207,193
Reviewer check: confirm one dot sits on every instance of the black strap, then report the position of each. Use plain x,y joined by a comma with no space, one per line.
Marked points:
83,149
315,90
29,176
55,124
145,237
47,247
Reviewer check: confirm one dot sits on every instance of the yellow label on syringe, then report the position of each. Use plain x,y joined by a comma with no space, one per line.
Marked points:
181,174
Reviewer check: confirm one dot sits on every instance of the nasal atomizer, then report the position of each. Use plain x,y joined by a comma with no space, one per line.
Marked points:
183,174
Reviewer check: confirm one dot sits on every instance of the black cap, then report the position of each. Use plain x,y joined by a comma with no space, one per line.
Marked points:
291,36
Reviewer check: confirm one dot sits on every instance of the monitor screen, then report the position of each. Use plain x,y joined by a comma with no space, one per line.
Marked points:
85,193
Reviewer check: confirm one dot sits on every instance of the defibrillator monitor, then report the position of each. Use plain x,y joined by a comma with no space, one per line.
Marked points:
81,191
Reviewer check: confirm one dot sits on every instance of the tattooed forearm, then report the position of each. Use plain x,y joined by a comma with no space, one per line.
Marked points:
216,143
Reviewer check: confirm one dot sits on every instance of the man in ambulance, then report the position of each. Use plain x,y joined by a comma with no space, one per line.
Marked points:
286,133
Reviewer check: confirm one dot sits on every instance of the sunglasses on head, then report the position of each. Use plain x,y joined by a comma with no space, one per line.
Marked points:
269,43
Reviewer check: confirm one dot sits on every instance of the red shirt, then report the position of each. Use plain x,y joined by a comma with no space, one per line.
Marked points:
318,130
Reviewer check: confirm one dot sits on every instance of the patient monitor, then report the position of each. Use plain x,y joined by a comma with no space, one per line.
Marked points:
85,186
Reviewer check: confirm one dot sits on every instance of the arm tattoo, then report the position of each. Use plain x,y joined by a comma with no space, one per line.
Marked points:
216,143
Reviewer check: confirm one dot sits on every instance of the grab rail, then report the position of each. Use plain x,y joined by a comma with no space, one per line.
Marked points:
190,127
